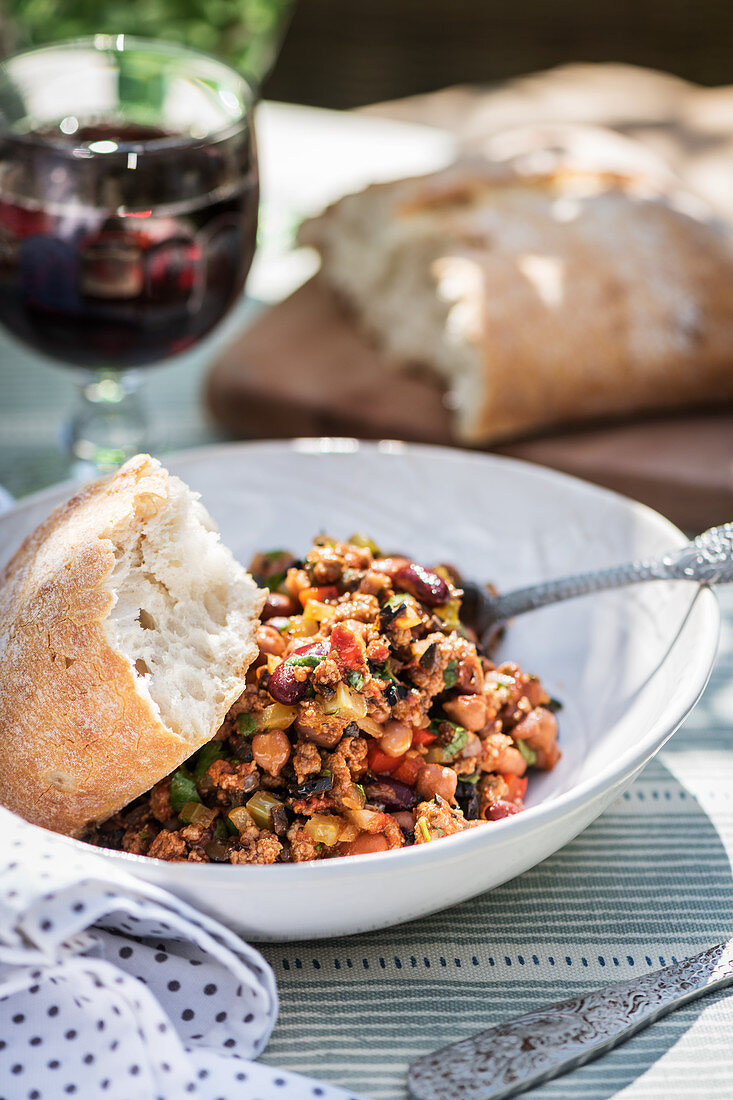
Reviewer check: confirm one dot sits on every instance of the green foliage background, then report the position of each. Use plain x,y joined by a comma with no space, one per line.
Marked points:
247,33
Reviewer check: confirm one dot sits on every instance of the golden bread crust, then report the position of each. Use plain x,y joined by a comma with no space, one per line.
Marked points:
575,293
78,741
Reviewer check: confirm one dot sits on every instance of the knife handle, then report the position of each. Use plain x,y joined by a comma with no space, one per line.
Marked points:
533,1048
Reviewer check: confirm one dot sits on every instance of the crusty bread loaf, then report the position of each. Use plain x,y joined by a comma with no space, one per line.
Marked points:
543,293
126,629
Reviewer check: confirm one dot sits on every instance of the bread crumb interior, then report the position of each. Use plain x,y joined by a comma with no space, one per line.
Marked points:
182,615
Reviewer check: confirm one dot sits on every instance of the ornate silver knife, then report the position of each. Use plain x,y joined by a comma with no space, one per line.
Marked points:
529,1050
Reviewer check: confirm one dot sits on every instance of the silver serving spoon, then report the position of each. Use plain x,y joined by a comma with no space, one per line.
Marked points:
708,559
543,1044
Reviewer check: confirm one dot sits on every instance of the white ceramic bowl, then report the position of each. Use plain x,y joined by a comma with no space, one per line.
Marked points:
628,665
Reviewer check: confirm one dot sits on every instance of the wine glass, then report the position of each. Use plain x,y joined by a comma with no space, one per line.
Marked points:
128,216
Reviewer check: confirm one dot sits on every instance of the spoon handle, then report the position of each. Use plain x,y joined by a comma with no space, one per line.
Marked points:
708,559
533,1048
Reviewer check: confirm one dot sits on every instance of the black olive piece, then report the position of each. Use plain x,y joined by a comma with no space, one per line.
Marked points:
387,615
217,851
352,730
394,692
409,835
317,785
468,799
279,820
429,658
241,748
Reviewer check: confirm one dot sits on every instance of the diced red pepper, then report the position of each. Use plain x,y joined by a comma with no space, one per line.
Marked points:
347,648
408,769
517,787
423,737
380,762
325,592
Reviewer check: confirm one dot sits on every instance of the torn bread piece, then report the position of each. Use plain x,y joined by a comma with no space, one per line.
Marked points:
542,291
126,630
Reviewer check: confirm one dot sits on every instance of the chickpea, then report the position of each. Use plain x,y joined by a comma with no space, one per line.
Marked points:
366,843
295,581
271,751
396,739
434,779
270,640
469,711
511,762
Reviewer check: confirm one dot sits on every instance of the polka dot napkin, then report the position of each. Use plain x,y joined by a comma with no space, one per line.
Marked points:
113,988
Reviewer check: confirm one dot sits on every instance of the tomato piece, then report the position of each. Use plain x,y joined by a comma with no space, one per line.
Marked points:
423,737
325,592
346,648
408,769
379,762
517,787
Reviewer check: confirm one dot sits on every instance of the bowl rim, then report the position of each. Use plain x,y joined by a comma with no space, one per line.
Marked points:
506,830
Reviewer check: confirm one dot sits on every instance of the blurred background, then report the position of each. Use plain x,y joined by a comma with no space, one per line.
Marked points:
346,53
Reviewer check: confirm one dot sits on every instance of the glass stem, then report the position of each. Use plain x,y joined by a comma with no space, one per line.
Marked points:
110,423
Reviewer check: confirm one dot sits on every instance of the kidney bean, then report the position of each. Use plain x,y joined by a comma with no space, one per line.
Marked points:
279,605
434,779
501,809
429,588
284,686
320,648
391,793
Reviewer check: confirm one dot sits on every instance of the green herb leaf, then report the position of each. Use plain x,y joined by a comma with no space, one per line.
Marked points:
325,772
183,790
205,757
306,660
220,829
469,778
246,724
355,679
423,827
360,788
450,674
452,737
274,582
396,601
529,754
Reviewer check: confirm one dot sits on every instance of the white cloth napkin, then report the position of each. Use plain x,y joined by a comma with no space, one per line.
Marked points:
113,988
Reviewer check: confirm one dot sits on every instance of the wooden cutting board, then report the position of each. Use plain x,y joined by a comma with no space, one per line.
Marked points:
303,368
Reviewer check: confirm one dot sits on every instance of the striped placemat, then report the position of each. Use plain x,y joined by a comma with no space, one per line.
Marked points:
649,883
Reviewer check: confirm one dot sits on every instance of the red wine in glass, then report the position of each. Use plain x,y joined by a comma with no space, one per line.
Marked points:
124,239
